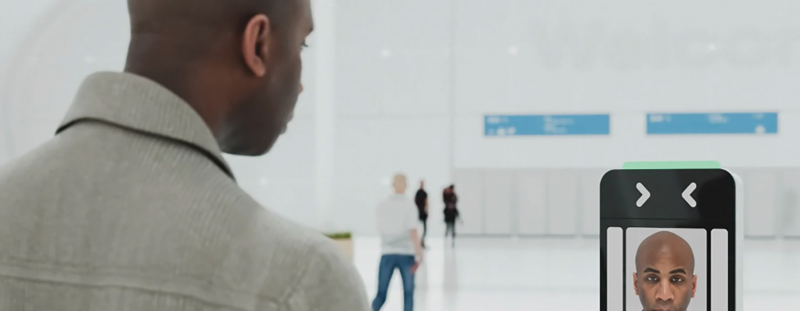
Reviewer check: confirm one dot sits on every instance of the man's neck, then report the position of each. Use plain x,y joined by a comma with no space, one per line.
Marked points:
189,78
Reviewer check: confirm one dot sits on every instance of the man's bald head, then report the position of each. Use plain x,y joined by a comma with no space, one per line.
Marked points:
399,183
236,62
665,243
154,16
664,277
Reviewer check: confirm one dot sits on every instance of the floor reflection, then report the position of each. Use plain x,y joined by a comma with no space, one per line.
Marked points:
553,274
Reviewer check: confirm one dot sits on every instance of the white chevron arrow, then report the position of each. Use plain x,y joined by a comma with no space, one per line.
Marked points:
645,195
687,195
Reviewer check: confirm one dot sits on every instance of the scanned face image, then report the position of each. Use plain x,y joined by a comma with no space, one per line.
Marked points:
663,268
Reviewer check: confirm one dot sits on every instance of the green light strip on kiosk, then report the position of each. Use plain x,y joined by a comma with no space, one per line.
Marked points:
675,165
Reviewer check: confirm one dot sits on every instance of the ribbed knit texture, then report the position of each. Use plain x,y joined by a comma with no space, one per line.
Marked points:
132,207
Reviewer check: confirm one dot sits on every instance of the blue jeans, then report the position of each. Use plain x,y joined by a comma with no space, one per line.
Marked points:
404,263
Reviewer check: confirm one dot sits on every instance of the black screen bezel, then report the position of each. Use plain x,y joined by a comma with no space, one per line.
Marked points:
716,209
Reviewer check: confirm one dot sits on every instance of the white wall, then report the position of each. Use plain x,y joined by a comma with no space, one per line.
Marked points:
405,86
393,102
565,201
626,58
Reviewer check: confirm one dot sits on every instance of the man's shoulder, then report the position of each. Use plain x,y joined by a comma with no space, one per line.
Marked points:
387,203
320,253
330,281
317,270
27,172
394,202
292,234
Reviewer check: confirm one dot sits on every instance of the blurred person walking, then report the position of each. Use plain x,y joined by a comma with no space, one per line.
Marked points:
401,246
451,213
131,206
421,199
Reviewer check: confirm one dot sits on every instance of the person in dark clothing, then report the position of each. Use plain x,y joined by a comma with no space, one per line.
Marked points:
450,212
421,199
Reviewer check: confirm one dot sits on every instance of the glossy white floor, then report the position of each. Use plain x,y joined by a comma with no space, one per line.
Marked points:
554,274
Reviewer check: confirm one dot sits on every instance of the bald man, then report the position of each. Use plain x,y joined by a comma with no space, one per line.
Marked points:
400,243
131,206
664,279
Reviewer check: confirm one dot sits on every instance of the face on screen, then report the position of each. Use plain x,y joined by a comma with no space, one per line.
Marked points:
664,277
664,239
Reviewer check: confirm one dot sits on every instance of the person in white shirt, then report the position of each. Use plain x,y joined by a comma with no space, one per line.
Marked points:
400,243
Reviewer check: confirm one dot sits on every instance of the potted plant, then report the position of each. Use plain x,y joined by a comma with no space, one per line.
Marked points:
345,242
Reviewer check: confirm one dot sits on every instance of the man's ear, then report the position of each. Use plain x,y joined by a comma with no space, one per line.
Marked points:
635,284
694,285
255,44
